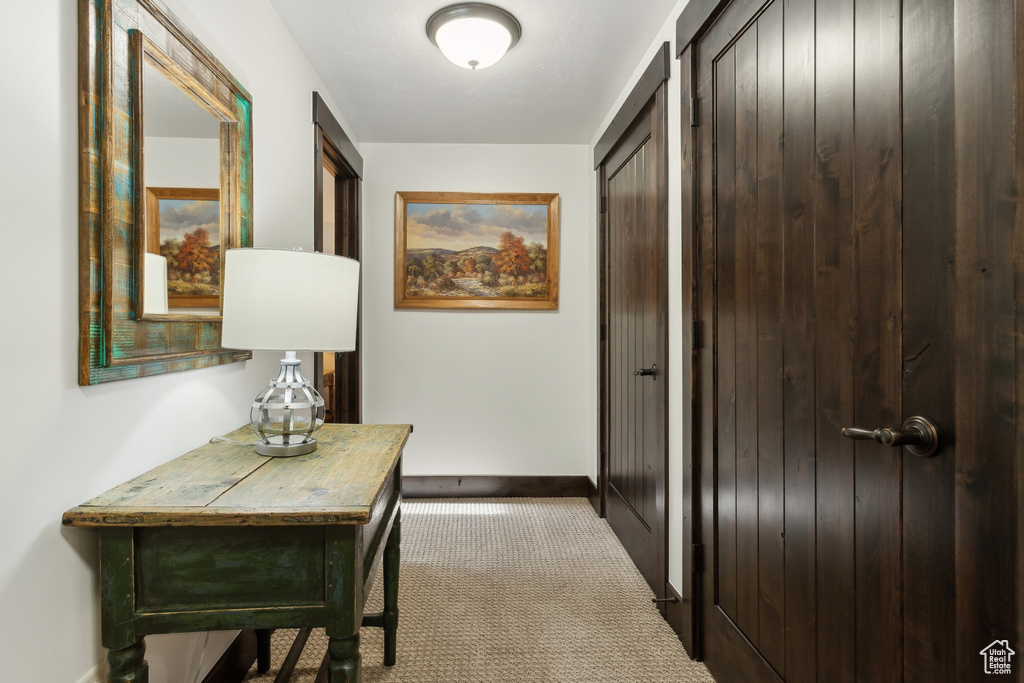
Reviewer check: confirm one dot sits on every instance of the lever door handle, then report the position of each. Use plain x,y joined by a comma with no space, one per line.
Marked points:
918,434
647,372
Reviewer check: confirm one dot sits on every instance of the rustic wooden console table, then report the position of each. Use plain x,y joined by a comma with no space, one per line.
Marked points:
223,538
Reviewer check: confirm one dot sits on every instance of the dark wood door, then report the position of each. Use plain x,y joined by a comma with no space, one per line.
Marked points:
635,371
856,268
337,217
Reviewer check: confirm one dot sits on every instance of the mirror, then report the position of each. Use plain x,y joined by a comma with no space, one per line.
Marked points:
181,172
165,188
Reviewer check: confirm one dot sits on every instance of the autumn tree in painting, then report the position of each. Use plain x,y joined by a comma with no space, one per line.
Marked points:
512,257
169,250
195,254
513,269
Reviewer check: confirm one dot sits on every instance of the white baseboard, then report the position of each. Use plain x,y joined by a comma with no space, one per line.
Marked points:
97,675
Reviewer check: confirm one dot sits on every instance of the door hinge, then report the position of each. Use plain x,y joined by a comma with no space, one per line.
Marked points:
696,558
694,111
698,337
604,204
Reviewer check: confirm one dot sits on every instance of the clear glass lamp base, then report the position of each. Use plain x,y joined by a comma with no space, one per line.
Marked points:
287,414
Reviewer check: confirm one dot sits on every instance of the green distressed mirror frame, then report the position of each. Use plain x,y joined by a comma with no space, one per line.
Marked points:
117,340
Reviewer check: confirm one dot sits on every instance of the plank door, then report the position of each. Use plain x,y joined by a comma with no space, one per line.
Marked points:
635,283
337,212
856,268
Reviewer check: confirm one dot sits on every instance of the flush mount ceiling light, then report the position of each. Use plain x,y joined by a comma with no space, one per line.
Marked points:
473,35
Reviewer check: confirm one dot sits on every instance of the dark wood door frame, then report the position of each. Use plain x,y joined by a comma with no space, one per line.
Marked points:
333,148
640,97
692,23
647,99
689,613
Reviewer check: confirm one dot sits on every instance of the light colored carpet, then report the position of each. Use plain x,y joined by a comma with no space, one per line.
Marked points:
512,589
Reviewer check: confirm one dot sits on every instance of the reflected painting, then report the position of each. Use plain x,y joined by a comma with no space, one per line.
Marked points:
183,226
467,250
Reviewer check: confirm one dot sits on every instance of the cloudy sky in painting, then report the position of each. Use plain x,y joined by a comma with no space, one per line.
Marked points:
463,226
181,216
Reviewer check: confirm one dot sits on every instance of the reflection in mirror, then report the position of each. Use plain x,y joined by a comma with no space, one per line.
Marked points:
182,178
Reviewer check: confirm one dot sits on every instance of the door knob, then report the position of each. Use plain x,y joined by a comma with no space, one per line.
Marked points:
648,372
918,434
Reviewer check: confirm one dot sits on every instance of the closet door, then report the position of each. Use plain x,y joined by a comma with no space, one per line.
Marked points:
852,167
634,313
636,293
337,223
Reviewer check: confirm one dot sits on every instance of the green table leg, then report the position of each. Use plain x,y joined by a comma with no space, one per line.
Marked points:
128,665
392,558
345,660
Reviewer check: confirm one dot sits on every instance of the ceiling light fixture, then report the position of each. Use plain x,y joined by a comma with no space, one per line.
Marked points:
473,35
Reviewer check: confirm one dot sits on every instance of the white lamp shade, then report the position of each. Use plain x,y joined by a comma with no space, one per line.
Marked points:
154,298
282,300
473,42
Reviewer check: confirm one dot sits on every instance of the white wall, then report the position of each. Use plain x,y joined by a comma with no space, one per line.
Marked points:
182,162
488,392
63,443
675,313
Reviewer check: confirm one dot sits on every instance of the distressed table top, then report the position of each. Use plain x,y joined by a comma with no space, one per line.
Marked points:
226,484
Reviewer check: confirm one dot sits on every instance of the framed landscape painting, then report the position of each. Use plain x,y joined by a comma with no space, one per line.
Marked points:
469,250
183,226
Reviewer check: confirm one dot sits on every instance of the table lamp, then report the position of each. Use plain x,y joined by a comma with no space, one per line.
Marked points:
289,301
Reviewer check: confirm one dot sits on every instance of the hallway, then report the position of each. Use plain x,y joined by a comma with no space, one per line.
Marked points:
513,589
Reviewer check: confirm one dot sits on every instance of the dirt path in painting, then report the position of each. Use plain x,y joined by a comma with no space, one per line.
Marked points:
470,285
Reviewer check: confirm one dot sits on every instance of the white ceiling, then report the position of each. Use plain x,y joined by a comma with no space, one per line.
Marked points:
555,86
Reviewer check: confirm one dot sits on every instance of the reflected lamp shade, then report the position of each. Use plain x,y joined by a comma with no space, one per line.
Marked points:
154,297
289,301
473,35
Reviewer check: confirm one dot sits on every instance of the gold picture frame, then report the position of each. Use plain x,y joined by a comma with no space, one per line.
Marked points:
187,219
476,250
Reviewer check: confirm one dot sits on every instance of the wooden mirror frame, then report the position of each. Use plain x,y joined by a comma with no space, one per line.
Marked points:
116,340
